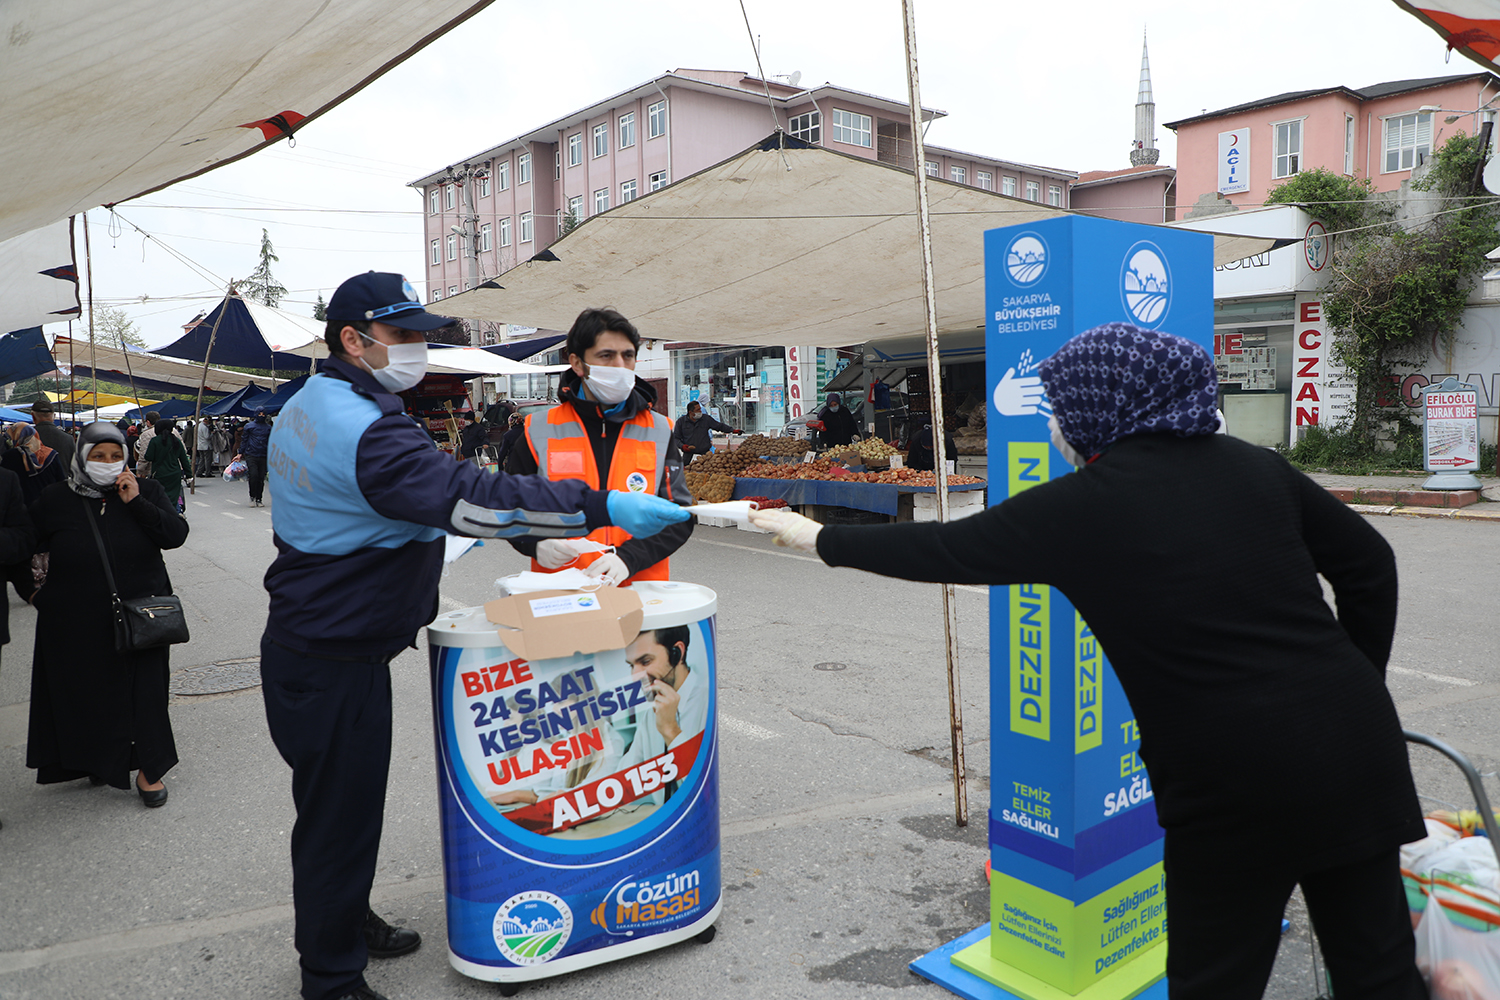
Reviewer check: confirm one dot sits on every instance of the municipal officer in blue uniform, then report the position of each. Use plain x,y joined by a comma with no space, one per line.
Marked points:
363,500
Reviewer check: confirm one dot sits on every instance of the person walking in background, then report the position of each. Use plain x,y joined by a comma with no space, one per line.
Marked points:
221,445
511,438
169,462
53,436
254,440
36,466
204,453
17,538
142,467
96,712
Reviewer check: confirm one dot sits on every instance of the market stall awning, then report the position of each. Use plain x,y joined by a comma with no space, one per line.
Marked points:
23,355
233,405
38,277
800,245
151,371
85,398
249,335
469,362
106,100
1471,27
272,402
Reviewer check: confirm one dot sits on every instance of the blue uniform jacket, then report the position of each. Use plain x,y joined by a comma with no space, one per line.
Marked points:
362,502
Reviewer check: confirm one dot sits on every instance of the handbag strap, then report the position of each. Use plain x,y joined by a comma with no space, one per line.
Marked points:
114,592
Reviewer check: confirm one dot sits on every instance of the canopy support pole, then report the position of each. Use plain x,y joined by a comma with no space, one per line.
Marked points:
935,393
93,365
203,377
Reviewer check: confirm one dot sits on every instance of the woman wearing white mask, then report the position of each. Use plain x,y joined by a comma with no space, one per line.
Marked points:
97,713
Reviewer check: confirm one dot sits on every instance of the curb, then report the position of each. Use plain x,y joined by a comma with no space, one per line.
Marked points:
1446,514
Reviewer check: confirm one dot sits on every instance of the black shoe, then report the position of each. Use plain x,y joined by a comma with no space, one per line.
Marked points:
95,780
154,799
363,992
385,941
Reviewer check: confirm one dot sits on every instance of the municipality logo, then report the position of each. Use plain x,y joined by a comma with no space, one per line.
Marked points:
636,482
1146,284
1026,259
532,927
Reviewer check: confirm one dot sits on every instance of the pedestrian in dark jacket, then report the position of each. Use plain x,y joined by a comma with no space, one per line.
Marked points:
17,538
1253,702
692,431
169,461
254,440
512,437
95,711
36,466
838,423
53,436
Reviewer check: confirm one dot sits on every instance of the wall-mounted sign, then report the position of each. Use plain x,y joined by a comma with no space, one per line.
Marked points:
1234,161
1316,246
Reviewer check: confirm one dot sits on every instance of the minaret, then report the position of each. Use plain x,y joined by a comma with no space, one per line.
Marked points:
1143,150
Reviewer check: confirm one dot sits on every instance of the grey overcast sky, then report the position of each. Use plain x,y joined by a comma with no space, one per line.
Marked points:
1029,82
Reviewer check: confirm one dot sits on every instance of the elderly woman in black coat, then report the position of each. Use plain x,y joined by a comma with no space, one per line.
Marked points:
95,712
1258,708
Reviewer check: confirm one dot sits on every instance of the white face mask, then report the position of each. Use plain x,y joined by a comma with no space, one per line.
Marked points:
1061,444
104,473
609,383
405,365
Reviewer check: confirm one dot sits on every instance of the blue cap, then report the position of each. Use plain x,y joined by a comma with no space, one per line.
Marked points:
383,297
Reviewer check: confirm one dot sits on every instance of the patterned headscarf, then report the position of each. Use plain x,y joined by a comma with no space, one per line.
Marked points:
1117,380
78,476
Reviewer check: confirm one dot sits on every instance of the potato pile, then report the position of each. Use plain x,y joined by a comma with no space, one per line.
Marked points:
710,486
732,462
817,469
821,470
759,444
871,448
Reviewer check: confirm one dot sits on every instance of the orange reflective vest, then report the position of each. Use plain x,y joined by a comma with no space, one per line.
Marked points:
562,450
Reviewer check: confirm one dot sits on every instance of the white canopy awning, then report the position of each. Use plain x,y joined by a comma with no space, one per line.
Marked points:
794,246
444,360
105,100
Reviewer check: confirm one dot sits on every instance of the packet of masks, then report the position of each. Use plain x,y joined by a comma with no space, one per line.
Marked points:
529,581
737,511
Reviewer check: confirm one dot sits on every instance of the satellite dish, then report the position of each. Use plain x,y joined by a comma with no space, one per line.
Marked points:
795,78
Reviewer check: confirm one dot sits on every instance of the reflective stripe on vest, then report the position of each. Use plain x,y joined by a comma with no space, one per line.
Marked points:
562,450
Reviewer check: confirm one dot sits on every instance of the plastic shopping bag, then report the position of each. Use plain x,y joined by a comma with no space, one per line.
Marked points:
1458,937
235,471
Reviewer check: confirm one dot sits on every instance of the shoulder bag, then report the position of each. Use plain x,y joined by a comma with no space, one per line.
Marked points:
141,622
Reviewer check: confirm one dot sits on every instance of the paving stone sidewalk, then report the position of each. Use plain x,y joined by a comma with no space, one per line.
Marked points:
1487,509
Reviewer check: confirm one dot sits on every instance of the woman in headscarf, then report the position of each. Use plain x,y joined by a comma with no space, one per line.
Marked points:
97,713
36,466
169,461
1272,745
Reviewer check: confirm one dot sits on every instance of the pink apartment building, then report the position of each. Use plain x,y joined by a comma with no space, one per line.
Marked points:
520,194
1232,158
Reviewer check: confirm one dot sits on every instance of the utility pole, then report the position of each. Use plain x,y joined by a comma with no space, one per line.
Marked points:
468,235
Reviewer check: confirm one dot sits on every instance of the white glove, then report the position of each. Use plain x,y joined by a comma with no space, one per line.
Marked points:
553,553
788,529
610,568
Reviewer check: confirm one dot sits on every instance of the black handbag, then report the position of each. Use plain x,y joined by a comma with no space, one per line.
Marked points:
141,622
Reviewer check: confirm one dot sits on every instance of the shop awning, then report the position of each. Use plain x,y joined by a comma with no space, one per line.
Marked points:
106,100
773,246
151,371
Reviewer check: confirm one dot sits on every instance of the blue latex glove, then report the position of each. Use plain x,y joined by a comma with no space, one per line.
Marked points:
643,514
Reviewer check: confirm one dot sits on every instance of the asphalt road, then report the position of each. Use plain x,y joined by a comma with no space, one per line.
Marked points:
841,859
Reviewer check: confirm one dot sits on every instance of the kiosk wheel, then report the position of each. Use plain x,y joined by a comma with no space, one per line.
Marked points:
707,934
509,989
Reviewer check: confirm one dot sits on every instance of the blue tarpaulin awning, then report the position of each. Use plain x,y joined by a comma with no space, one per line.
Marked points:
24,354
520,350
272,402
233,405
172,408
250,335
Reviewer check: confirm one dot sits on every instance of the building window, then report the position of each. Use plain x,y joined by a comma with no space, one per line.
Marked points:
1349,145
437,294
575,149
485,242
452,290
851,128
448,197
484,186
627,191
656,120
502,175
1033,190
934,168
601,139
525,227
523,168
1408,139
436,254
575,207
505,231
985,180
452,247
658,180
557,164
1008,186
433,204
1054,195
808,127
601,200
627,130
1288,148
959,175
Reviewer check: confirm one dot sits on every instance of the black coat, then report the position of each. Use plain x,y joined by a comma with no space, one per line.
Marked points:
839,426
34,480
17,536
56,438
1196,564
93,710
